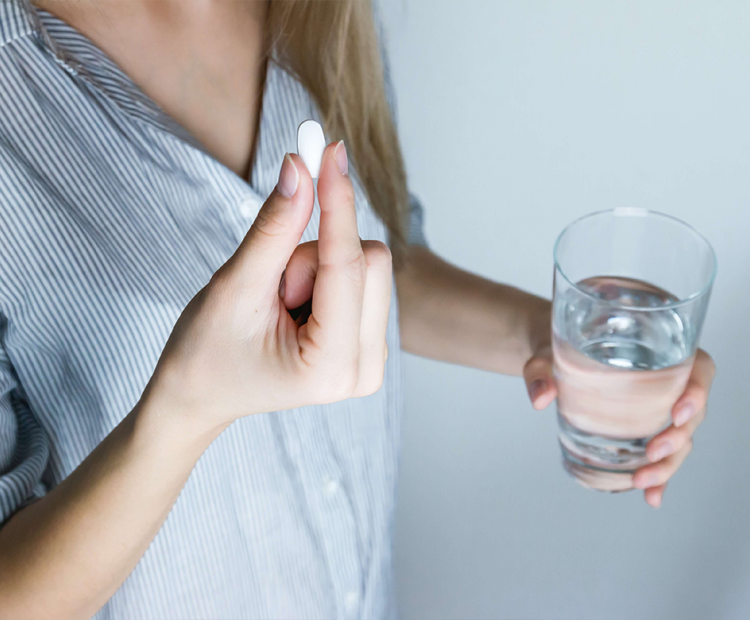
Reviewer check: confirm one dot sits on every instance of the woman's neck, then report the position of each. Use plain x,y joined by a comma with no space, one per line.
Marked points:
200,60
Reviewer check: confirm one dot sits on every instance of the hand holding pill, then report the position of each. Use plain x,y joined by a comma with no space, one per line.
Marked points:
237,344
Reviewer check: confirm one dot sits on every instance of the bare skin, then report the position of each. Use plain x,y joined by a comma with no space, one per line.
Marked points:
200,60
58,557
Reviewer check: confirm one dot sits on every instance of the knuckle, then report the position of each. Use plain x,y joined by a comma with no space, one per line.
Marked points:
347,384
538,366
307,250
378,381
706,363
268,223
680,438
377,254
711,365
370,384
336,383
373,387
356,266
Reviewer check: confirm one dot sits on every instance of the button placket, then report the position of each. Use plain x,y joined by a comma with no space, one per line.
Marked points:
351,604
330,486
249,207
321,474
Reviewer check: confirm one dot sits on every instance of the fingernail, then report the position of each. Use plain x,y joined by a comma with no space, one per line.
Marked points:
656,503
342,161
536,389
684,413
644,482
282,285
662,450
288,178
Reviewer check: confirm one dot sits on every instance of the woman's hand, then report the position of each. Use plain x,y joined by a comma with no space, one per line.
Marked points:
668,449
236,350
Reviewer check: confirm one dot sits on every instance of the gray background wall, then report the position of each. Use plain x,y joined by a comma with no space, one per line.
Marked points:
516,117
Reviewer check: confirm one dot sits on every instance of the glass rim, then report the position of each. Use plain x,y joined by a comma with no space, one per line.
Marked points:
638,212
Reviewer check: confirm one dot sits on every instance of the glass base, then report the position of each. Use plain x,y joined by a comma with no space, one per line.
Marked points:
600,463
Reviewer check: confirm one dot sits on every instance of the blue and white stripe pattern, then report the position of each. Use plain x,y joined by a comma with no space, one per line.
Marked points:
111,218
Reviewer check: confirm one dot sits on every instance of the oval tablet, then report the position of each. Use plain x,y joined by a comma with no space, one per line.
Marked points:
310,146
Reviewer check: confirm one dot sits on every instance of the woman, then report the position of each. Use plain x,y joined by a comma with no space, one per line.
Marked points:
151,280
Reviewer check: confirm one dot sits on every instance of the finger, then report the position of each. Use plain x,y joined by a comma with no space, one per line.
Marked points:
695,396
540,383
658,473
654,495
673,438
299,276
338,238
342,268
264,252
375,309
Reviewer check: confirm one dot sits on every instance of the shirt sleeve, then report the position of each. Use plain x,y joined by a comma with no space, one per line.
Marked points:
415,235
24,451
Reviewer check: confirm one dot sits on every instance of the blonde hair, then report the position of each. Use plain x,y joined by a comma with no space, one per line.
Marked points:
332,48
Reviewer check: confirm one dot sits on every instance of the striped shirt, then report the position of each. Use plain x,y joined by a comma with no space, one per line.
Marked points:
112,217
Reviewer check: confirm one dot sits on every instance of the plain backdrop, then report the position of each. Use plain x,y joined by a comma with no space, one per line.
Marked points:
517,117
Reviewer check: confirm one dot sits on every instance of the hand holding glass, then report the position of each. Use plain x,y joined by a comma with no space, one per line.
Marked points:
631,290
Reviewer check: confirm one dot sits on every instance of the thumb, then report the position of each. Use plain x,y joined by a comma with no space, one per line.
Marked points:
278,227
540,381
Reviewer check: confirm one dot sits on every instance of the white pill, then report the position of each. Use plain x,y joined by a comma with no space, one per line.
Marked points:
310,146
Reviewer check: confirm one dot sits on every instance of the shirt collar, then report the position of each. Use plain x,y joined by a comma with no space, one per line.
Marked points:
285,102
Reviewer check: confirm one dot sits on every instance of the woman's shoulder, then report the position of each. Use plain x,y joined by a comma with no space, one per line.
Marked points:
24,69
37,119
32,117
26,123
17,21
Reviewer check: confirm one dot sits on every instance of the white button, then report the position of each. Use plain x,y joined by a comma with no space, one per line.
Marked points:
249,207
330,486
350,601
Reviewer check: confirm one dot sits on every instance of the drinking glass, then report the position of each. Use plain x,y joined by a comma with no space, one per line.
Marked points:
631,289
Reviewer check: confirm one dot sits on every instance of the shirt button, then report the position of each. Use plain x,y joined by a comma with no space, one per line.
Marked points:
248,207
330,486
350,602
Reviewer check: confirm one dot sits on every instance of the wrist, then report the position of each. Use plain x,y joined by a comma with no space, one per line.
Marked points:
161,418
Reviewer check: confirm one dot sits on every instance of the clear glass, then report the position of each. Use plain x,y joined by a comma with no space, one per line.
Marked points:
631,289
